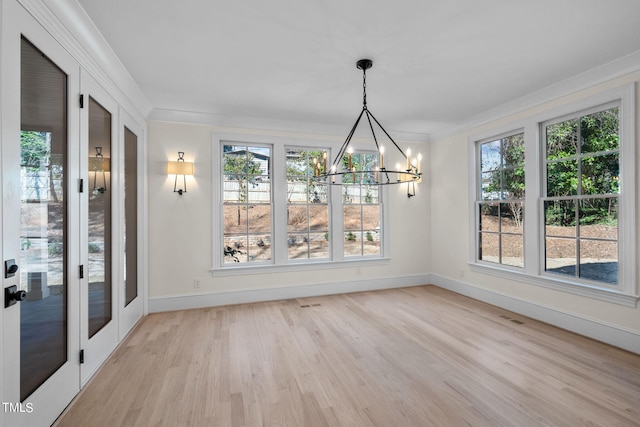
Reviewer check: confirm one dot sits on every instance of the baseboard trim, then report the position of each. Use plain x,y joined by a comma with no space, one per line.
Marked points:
214,299
611,334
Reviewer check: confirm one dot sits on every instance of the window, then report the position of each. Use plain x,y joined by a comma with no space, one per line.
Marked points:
272,214
582,169
247,203
307,206
501,197
579,231
361,210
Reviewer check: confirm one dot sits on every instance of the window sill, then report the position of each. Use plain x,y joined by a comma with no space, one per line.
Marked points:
599,293
241,270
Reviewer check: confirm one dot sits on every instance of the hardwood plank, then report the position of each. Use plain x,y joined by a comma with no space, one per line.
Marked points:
403,357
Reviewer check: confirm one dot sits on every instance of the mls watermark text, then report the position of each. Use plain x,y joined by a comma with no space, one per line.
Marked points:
19,407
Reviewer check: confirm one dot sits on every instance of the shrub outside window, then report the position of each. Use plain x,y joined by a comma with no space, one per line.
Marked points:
582,186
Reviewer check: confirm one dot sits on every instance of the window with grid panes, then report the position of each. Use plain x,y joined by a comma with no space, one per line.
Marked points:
500,207
581,200
362,207
307,205
582,186
247,203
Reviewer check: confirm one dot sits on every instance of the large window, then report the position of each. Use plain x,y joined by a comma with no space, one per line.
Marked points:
307,206
582,183
579,231
247,203
361,209
272,212
501,196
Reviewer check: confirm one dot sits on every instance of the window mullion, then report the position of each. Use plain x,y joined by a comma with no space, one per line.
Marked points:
534,168
578,198
336,223
627,208
279,204
362,228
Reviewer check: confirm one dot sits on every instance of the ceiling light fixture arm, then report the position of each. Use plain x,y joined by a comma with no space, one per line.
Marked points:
343,148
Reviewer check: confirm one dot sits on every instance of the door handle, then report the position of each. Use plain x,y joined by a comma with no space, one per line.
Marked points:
10,268
12,295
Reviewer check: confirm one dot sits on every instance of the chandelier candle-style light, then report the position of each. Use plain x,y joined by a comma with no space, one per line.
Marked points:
346,167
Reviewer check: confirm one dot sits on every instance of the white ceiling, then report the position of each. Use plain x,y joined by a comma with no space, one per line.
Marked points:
436,62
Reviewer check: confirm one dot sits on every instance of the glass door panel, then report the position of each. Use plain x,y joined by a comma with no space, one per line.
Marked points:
130,215
43,219
132,276
99,224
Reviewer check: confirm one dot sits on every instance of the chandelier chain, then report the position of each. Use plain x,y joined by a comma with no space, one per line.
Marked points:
364,89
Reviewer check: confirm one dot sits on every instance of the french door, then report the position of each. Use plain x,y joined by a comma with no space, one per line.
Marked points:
131,293
41,222
70,197
98,214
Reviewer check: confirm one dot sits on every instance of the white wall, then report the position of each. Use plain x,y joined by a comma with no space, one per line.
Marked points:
451,236
181,232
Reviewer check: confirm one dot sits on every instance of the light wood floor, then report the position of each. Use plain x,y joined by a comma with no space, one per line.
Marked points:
418,356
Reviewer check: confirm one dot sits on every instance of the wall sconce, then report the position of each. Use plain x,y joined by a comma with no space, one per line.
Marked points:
180,167
99,165
416,165
411,189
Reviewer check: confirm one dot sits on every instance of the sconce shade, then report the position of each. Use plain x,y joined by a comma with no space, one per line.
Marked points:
179,168
99,164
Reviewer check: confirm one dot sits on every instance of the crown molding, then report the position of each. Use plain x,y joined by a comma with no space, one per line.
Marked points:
602,74
269,125
69,24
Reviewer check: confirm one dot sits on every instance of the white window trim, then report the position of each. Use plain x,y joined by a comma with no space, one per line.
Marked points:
279,261
533,272
543,165
272,203
241,270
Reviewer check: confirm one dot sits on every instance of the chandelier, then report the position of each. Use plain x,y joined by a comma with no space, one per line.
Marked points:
345,168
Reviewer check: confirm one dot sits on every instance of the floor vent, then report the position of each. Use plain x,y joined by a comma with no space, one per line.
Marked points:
310,305
519,322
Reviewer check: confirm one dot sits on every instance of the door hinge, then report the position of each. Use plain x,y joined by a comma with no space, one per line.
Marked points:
82,271
82,356
81,101
81,185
